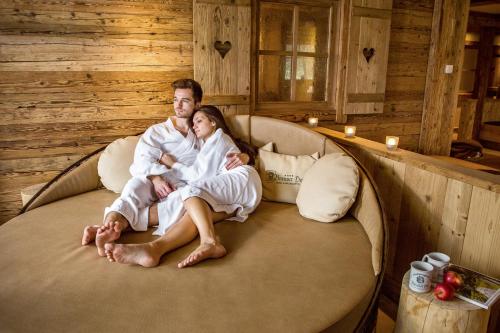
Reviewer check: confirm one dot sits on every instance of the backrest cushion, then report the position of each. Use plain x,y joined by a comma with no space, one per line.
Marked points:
329,188
239,126
114,163
282,174
288,138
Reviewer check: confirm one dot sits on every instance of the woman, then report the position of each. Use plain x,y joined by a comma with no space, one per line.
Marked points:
211,193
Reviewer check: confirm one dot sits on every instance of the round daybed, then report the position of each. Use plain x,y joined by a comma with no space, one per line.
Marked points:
283,273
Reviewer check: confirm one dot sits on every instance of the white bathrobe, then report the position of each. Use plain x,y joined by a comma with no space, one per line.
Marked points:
237,190
159,139
139,194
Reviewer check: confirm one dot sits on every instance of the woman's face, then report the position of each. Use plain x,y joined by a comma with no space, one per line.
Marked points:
202,126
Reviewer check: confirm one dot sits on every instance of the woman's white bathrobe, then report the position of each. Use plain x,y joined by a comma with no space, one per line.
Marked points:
237,190
139,194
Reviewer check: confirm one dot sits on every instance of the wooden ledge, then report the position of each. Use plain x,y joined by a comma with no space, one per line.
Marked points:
446,168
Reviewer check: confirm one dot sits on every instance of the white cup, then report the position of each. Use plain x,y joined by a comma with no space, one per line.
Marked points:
420,276
440,261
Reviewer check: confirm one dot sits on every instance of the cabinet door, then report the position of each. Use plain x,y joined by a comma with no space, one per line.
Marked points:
367,56
222,35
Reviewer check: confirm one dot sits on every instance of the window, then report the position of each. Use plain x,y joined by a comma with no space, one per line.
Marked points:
294,54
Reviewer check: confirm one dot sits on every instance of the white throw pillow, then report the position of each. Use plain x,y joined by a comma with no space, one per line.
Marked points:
114,163
282,174
329,188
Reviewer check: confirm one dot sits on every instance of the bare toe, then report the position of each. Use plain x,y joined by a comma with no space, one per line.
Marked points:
203,252
89,234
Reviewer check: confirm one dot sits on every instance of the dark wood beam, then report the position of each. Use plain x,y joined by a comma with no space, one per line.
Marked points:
449,25
484,63
482,2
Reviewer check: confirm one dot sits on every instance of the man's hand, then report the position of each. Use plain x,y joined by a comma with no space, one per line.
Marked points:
236,159
161,186
167,160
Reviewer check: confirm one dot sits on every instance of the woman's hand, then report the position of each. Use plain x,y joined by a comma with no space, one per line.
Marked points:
167,160
236,159
161,186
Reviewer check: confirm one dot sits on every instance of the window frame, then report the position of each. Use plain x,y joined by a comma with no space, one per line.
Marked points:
291,108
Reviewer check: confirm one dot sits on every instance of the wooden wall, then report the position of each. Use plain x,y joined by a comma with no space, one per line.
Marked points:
406,72
77,75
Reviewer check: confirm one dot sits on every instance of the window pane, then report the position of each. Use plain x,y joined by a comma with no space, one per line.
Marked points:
274,78
311,79
275,27
313,29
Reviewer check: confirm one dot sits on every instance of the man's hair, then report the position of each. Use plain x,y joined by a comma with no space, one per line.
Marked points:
189,84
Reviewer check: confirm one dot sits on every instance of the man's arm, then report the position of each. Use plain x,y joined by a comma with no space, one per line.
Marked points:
236,159
147,154
161,186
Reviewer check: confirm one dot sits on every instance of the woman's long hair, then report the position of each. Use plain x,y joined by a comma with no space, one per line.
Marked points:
215,115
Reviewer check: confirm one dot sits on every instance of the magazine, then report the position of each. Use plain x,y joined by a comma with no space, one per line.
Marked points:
478,288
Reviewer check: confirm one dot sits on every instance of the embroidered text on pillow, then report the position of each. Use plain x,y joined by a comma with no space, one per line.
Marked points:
279,178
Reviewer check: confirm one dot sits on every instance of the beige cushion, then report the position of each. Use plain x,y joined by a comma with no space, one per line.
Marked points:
289,138
329,188
282,174
239,126
272,279
115,161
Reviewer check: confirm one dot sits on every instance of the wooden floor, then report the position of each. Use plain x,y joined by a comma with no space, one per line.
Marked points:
384,323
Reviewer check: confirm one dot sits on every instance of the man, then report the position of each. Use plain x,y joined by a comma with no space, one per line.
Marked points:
152,180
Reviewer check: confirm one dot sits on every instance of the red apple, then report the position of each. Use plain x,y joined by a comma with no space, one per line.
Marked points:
444,291
454,279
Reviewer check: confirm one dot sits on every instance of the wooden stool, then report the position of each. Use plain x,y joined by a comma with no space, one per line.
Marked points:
422,312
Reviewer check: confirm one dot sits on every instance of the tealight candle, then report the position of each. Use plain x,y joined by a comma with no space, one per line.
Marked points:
313,122
391,142
350,131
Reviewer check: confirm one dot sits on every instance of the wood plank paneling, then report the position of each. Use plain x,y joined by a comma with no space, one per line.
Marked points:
78,75
481,248
392,175
454,219
422,201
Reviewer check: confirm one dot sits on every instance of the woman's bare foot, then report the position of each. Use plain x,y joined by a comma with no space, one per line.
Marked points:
138,254
107,234
202,252
89,234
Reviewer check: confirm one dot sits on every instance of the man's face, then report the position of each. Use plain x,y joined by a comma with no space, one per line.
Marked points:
184,103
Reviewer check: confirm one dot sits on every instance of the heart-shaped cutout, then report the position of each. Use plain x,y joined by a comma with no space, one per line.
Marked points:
368,53
222,48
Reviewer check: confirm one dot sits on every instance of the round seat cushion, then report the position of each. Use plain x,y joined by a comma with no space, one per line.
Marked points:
282,274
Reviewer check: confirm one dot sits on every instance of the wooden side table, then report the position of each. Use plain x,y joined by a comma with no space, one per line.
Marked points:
422,312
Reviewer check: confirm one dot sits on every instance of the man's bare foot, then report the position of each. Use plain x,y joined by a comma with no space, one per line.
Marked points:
138,254
89,234
202,252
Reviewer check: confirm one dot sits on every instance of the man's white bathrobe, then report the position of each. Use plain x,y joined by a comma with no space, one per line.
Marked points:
237,190
138,194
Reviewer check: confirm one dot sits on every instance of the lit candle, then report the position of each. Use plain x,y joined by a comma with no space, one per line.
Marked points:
350,131
313,122
391,142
